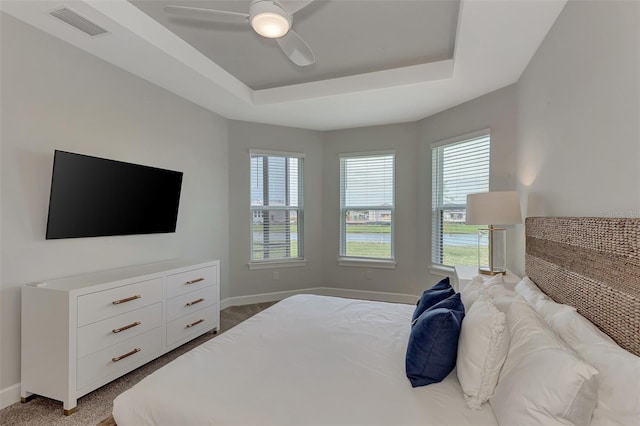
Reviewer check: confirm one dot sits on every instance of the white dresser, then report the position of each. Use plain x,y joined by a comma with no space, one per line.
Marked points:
79,333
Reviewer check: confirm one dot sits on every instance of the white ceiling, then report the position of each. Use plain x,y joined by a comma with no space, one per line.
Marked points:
367,73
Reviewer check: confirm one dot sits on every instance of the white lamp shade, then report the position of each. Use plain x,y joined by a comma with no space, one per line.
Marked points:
493,208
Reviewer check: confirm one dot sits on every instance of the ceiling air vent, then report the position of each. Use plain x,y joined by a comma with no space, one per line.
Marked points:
72,18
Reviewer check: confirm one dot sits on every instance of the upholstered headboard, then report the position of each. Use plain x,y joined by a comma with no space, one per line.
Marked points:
592,264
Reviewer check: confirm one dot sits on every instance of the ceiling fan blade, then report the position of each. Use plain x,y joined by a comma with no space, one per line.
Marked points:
208,14
296,49
292,6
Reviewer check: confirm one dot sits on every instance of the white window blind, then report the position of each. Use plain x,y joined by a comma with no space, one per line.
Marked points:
276,206
459,168
367,205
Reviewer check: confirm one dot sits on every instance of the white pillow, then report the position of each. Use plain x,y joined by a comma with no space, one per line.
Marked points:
482,349
471,292
574,327
529,290
619,370
542,303
503,300
476,287
499,291
548,309
542,381
497,279
501,295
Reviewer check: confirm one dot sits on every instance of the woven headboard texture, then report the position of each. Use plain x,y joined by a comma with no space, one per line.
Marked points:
592,264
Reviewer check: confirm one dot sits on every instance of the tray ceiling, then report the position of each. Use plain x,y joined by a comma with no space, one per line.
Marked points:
348,38
377,62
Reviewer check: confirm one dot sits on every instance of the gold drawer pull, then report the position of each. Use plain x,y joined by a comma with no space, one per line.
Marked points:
126,327
194,323
194,302
118,358
197,280
128,299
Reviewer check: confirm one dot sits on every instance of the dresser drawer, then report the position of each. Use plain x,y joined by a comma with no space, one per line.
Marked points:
108,332
191,302
195,279
109,303
105,363
194,323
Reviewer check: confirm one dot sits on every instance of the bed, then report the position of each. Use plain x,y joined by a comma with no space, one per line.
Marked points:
316,360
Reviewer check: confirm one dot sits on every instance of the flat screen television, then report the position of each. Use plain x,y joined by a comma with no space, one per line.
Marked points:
94,197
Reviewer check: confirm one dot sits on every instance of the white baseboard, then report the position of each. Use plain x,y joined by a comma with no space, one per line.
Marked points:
9,396
322,291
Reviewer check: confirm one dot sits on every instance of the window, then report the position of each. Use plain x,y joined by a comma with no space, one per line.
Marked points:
276,206
460,167
367,206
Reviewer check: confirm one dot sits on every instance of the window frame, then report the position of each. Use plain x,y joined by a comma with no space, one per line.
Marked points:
279,262
437,209
365,261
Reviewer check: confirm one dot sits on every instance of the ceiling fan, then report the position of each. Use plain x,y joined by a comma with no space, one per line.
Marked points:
268,18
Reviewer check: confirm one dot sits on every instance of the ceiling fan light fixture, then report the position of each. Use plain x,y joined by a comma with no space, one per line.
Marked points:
269,19
270,25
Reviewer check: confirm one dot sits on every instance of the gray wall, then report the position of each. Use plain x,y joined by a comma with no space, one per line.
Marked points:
244,136
411,141
403,139
497,111
567,136
55,96
579,116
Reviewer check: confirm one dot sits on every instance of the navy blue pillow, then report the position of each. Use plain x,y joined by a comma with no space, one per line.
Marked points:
430,297
433,343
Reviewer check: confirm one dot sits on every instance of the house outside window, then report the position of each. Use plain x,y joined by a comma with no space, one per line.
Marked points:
460,166
367,206
277,206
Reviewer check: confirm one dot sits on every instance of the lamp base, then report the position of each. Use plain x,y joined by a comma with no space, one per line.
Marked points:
492,251
487,271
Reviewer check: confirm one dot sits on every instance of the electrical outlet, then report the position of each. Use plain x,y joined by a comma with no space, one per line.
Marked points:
369,274
276,275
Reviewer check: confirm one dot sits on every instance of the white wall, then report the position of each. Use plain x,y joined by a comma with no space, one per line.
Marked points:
579,116
242,137
55,96
497,111
403,139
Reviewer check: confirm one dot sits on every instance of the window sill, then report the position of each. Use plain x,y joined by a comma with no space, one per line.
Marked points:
272,264
366,263
443,271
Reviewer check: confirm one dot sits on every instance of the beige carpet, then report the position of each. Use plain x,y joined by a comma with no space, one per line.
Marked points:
95,407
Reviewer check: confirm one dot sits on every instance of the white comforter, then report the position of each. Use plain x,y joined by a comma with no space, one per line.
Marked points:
308,360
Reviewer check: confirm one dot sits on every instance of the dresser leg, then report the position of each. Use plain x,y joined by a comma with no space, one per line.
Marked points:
29,397
69,407
70,411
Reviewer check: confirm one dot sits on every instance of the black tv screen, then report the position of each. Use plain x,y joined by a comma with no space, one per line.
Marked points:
93,197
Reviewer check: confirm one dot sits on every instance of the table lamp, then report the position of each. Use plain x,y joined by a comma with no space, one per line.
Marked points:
495,208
